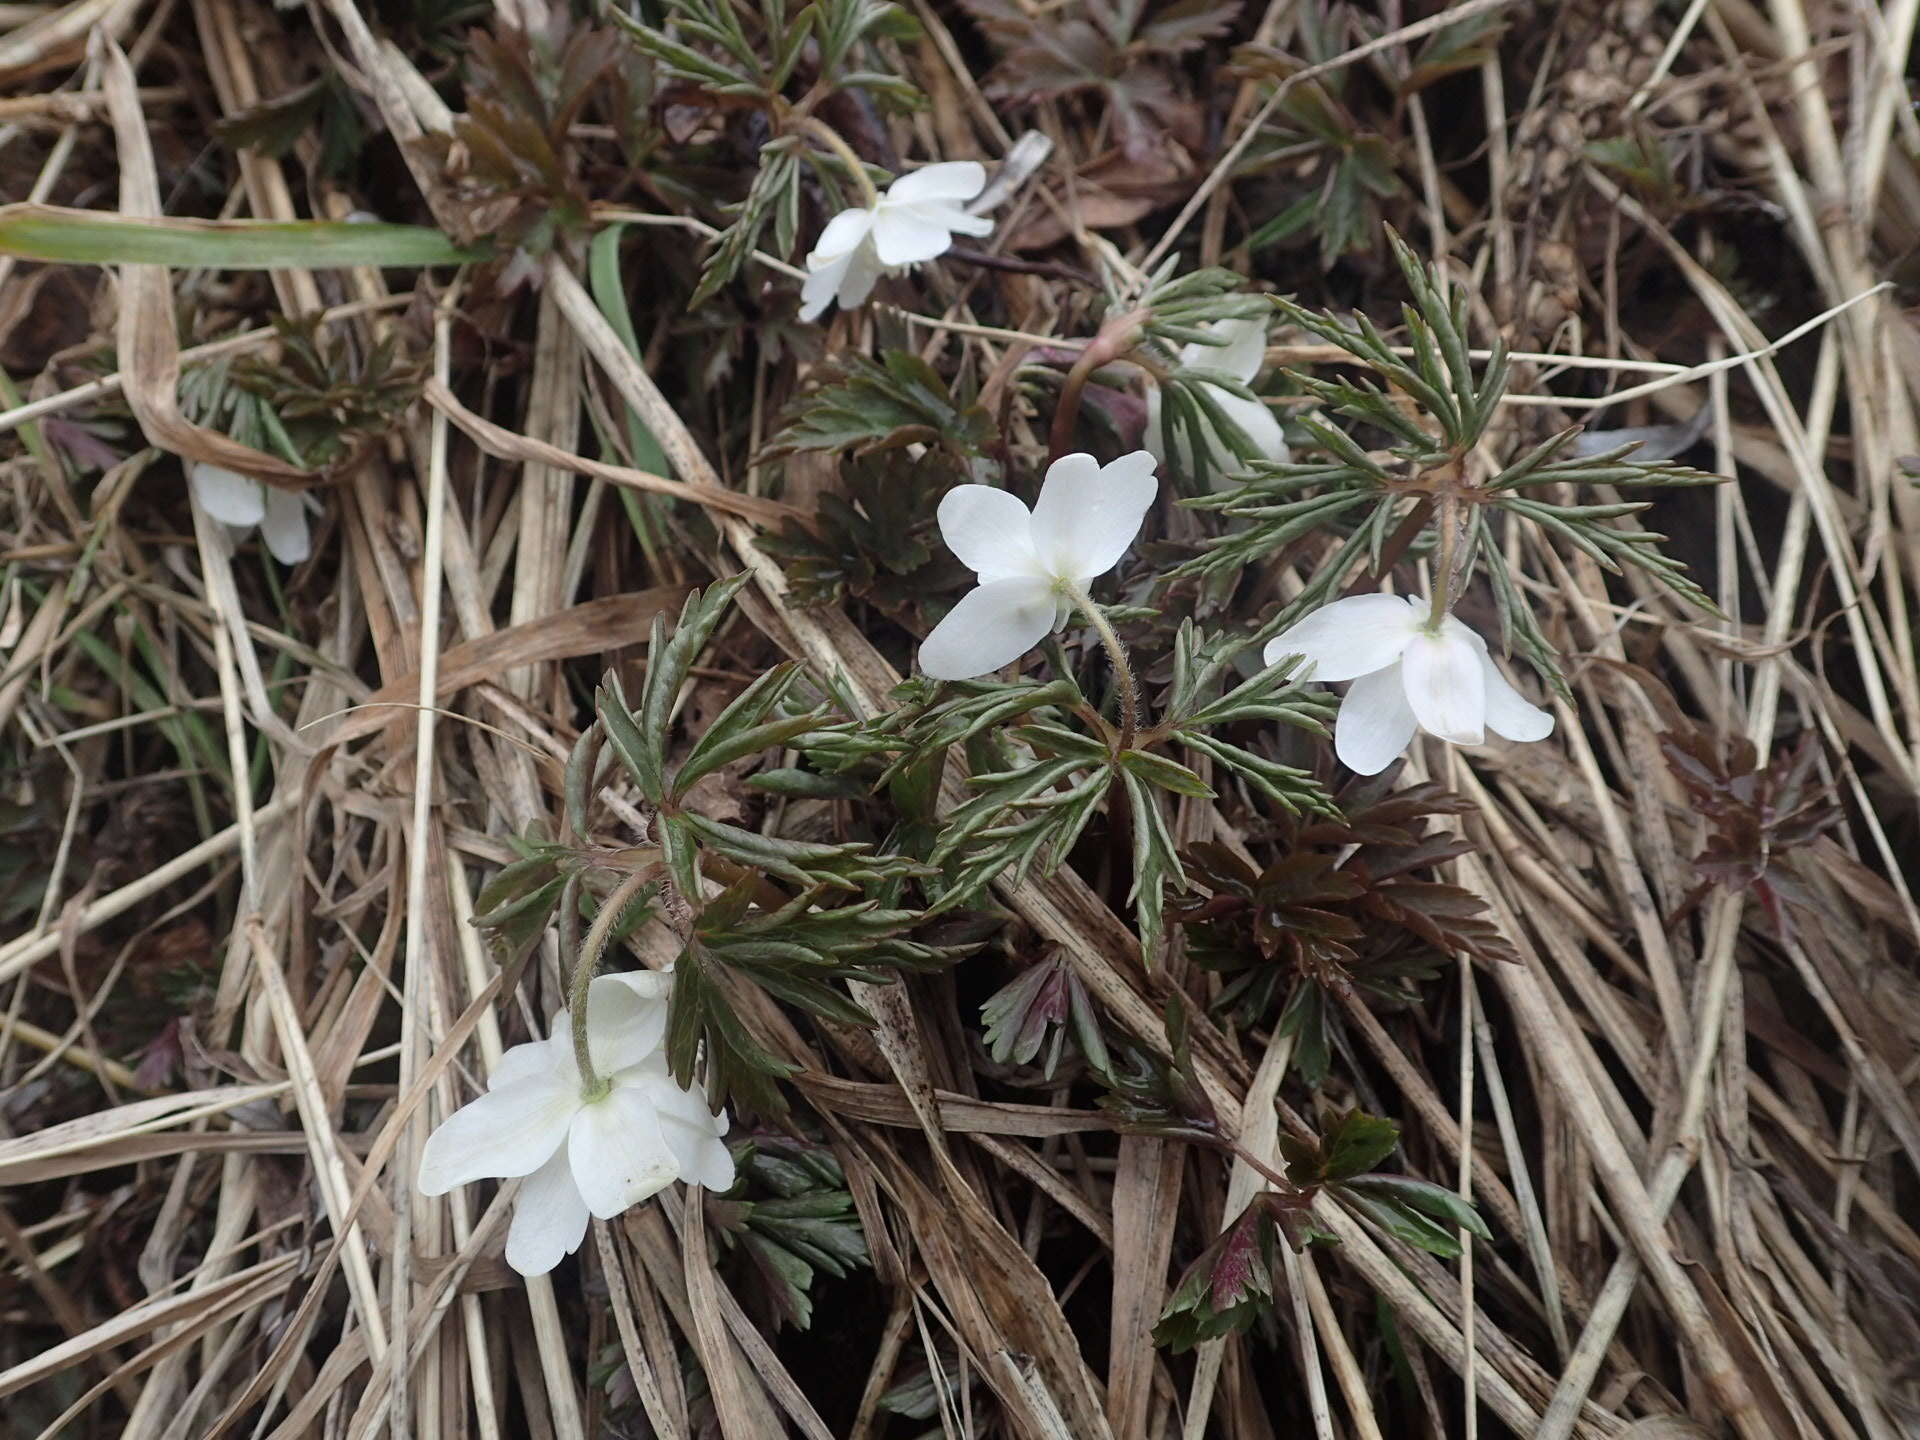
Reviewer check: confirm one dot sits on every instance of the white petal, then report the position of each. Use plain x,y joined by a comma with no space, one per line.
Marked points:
906,235
535,1060
626,1018
617,1152
817,291
284,526
1241,357
506,1132
1256,422
1349,638
549,1218
1088,514
1508,712
953,180
693,1133
987,530
992,626
953,219
1154,437
1446,687
858,279
230,498
842,236
702,1156
1375,722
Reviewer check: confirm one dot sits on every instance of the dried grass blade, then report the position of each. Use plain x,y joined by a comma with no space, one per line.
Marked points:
226,1297
504,444
148,344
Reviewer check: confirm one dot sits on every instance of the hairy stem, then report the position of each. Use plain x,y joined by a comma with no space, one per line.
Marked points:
1122,670
593,1085
832,139
1443,573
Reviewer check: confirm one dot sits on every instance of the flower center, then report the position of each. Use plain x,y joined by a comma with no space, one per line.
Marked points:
593,1091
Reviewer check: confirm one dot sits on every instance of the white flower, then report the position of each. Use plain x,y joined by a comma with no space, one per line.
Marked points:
915,220
1032,564
583,1157
1241,357
1406,675
242,503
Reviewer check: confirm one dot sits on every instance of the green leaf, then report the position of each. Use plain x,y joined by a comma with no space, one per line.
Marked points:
869,406
1424,1196
577,785
842,24
680,849
517,905
1156,864
1226,1289
1306,1019
87,237
514,888
805,785
1463,46
800,862
813,996
1405,1223
1288,223
1294,790
603,275
741,729
273,127
1356,1144
779,173
1269,694
876,537
1638,158
639,752
705,1035
1159,771
669,662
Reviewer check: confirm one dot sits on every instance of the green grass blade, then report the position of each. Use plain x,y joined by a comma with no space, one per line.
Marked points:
91,237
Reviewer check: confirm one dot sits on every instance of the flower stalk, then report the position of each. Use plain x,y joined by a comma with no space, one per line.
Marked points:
1442,604
834,141
1122,668
1116,340
593,1085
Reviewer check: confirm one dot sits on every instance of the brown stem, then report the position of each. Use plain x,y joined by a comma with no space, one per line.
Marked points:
1279,1181
1117,337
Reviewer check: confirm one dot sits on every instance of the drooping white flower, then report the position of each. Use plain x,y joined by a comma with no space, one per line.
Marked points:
583,1157
1241,357
242,503
915,220
1031,563
1407,675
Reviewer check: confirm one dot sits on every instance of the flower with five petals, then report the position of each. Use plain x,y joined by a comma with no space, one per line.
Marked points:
242,503
583,1156
1408,674
1033,566
1241,357
915,220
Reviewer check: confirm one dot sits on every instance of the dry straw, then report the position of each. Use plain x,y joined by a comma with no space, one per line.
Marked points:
1697,1140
